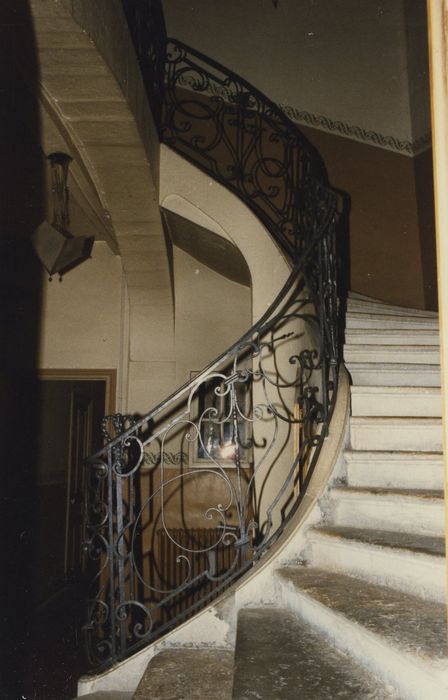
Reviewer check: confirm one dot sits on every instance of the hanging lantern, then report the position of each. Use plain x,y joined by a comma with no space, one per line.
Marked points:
57,249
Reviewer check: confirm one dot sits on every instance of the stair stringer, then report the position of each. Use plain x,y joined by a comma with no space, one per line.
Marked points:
215,626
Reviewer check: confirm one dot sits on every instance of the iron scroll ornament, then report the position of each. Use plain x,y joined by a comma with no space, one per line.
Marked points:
299,395
287,362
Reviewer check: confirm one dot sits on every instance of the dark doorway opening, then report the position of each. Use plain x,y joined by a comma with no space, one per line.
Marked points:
71,405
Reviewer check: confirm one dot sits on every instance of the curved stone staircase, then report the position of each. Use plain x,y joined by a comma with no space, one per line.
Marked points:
361,612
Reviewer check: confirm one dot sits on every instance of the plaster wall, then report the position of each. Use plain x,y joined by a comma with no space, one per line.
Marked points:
182,187
212,312
390,250
99,104
347,61
81,321
213,202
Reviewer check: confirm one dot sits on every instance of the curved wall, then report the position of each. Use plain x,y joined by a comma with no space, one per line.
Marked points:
187,188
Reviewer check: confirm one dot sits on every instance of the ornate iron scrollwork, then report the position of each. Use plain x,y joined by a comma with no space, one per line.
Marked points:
183,500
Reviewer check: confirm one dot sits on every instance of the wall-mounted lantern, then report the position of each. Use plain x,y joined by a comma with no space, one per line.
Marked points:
57,249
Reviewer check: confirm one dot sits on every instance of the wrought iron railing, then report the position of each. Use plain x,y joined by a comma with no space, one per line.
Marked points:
227,458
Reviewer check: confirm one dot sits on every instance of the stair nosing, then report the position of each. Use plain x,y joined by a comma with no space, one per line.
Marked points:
374,591
339,532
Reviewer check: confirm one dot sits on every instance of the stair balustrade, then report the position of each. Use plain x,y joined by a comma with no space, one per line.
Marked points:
227,458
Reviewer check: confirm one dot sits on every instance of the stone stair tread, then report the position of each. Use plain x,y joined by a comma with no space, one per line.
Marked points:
392,348
379,366
108,695
380,400
394,374
393,455
380,389
351,294
409,624
424,494
372,305
396,420
381,313
279,656
389,320
393,469
188,674
393,354
419,544
363,299
391,432
391,336
393,332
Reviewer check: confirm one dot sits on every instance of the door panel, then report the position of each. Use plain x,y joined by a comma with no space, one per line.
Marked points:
70,429
81,429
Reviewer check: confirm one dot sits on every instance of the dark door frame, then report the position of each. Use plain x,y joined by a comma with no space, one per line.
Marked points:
109,376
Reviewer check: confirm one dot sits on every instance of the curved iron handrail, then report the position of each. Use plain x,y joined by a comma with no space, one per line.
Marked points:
230,426
228,128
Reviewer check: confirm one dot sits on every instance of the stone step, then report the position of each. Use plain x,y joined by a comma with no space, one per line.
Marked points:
391,433
398,510
279,656
390,354
108,695
381,307
404,470
392,336
188,674
411,563
364,297
357,295
356,319
398,636
391,374
396,401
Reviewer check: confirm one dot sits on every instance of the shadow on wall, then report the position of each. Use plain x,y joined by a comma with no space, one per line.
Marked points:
21,210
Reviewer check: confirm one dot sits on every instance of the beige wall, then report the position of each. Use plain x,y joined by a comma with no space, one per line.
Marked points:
100,103
346,60
212,312
218,209
390,249
82,316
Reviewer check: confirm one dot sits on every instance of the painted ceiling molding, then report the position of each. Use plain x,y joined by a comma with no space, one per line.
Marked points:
357,133
323,123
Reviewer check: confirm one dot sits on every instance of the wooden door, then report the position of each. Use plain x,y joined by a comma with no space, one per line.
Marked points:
81,430
71,411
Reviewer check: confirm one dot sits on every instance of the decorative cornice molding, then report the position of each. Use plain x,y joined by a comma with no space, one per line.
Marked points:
357,133
331,126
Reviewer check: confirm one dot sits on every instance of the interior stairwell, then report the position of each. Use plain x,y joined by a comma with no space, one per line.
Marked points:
372,579
354,605
360,609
